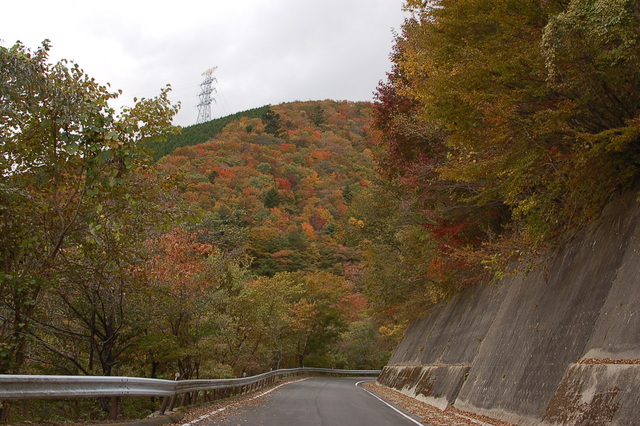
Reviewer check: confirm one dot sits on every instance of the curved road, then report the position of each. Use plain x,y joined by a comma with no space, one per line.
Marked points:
325,401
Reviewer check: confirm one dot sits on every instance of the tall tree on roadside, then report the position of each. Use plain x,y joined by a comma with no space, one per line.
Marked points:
90,321
62,146
513,120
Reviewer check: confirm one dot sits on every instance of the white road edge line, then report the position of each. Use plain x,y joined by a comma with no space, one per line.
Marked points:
385,402
219,410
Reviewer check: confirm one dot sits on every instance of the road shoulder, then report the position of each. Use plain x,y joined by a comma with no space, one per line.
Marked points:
428,414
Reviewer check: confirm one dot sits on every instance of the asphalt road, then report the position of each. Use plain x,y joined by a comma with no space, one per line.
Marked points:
312,402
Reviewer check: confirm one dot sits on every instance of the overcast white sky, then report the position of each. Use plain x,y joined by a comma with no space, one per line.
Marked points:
267,51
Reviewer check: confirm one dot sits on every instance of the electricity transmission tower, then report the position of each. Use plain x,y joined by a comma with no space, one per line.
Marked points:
204,107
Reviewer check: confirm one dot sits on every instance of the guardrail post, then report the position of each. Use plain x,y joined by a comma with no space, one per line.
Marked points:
115,402
165,403
173,402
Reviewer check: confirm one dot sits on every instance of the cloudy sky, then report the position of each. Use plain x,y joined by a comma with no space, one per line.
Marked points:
266,51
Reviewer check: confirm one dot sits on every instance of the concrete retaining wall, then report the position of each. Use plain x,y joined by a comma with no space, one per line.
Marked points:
600,394
510,350
434,384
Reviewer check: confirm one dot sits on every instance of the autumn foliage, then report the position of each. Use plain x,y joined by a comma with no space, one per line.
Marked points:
288,190
506,126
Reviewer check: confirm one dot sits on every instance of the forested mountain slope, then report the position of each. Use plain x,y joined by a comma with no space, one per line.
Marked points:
286,180
198,133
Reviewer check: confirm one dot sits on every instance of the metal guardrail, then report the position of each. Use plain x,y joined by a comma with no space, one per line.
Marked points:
41,386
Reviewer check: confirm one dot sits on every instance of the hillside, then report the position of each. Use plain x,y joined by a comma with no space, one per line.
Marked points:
286,180
198,133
